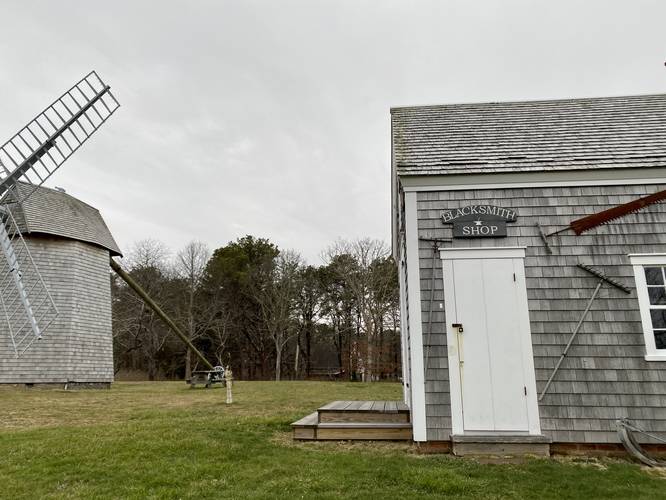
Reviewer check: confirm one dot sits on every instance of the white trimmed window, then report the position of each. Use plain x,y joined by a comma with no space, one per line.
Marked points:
650,275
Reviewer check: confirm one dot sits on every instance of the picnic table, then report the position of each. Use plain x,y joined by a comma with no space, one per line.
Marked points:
208,377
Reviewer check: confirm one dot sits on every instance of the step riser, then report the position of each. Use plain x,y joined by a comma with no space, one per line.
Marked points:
501,449
363,417
305,433
364,434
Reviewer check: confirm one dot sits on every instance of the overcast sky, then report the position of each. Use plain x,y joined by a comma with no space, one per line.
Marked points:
271,118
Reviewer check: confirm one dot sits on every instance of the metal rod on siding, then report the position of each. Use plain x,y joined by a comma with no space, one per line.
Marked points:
573,336
603,278
543,238
435,244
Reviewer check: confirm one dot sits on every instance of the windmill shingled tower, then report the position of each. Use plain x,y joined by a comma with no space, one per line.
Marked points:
28,307
70,244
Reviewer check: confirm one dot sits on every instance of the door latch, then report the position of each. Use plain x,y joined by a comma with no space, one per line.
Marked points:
458,326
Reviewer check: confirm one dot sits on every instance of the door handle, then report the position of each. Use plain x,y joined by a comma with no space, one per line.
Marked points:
458,326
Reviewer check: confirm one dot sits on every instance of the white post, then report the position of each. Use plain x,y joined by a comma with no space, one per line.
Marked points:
228,378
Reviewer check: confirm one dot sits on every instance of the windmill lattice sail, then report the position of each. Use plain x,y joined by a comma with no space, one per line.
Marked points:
45,143
25,301
27,160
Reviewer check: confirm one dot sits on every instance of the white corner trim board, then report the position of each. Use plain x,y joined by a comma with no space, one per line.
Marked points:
417,383
639,261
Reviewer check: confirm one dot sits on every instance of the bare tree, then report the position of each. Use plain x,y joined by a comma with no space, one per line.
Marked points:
135,324
277,301
308,306
190,266
148,253
362,283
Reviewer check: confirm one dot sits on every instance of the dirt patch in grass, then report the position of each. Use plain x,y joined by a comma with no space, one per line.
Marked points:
658,472
375,447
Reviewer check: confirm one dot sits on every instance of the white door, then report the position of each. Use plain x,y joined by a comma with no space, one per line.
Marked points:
485,294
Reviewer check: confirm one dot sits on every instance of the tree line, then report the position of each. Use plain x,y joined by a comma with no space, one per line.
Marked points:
261,310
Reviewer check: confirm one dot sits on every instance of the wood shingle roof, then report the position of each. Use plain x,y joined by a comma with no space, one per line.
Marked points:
571,134
53,212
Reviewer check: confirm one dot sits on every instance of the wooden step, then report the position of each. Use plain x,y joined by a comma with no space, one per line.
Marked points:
306,428
356,420
364,431
364,411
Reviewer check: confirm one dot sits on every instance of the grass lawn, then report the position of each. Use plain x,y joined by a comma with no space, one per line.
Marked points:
163,440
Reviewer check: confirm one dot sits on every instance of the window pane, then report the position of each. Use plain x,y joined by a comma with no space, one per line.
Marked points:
660,339
653,276
658,318
657,295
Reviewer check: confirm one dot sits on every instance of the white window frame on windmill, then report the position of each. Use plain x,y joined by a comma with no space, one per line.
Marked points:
645,289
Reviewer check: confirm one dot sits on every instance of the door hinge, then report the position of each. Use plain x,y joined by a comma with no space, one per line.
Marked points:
514,276
525,389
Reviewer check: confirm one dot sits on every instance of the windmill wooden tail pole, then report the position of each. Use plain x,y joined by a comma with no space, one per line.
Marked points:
602,279
215,373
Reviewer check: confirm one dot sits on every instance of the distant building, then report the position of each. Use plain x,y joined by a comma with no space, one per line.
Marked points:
487,309
71,246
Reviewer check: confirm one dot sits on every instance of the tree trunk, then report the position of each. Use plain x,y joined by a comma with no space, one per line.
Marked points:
379,353
190,333
298,350
152,368
308,351
278,362
188,364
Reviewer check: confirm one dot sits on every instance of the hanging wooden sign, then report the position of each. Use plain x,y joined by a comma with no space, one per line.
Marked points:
479,221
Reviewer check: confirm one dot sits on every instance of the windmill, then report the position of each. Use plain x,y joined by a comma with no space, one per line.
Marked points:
27,160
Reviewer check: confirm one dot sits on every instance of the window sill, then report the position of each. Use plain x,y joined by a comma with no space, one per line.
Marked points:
655,357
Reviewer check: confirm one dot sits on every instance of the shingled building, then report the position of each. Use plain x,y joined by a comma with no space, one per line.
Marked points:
71,246
483,198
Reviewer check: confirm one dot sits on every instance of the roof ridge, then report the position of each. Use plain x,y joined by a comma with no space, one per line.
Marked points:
528,101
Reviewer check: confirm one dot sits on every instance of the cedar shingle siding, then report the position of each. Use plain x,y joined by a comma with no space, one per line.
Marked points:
78,346
605,375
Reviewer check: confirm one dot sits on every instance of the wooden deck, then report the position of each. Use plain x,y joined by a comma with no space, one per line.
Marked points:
356,420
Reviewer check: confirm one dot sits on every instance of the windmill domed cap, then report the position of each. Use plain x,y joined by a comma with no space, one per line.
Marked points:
54,212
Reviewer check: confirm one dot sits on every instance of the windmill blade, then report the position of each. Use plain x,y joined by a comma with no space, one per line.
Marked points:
25,302
45,143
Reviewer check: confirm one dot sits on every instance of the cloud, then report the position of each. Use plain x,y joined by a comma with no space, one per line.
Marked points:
272,118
